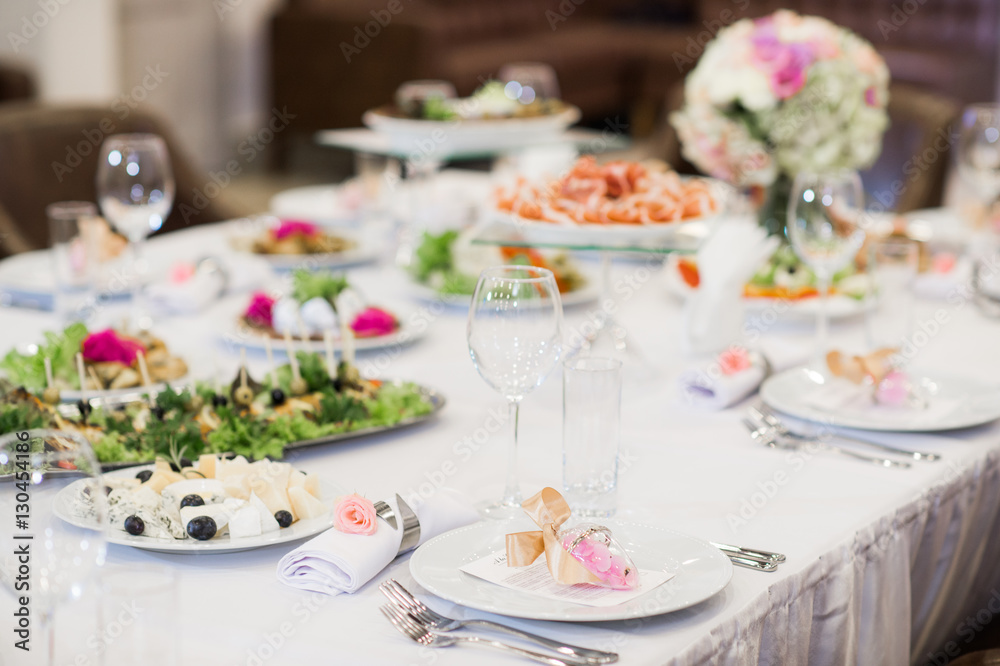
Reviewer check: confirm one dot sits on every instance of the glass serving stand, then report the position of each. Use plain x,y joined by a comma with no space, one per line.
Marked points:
685,239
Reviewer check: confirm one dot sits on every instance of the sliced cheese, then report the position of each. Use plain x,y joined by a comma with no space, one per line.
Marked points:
276,500
306,506
296,479
267,520
220,513
312,486
245,523
206,465
237,486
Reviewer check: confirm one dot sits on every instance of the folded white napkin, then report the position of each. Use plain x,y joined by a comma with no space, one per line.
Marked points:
706,386
334,562
709,388
713,315
194,294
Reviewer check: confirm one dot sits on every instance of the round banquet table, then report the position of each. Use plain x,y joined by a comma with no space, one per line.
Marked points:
884,565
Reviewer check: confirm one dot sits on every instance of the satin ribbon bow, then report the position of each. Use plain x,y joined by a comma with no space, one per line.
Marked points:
876,365
549,511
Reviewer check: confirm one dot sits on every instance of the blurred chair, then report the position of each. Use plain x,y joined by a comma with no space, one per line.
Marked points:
16,82
50,153
982,658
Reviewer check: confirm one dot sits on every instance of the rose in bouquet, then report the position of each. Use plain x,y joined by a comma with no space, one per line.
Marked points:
782,94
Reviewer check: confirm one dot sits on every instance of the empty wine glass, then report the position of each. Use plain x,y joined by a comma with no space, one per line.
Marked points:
52,498
824,225
135,188
979,150
528,81
515,340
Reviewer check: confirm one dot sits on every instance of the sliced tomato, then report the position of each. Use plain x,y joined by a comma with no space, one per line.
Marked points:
689,272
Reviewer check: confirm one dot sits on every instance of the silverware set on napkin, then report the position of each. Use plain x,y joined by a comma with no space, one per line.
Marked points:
768,429
422,625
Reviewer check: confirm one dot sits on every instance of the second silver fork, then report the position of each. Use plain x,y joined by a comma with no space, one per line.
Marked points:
402,598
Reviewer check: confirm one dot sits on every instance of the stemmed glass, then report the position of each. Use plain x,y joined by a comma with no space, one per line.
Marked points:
44,558
135,187
515,340
824,224
979,150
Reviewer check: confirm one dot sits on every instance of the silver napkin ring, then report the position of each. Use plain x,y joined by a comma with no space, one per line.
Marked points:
411,526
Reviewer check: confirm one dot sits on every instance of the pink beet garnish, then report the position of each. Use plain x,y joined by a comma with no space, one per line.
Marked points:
261,310
373,322
108,347
294,228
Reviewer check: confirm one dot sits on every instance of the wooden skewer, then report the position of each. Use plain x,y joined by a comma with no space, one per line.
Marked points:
346,342
143,369
82,375
93,376
243,367
270,361
290,348
48,372
331,362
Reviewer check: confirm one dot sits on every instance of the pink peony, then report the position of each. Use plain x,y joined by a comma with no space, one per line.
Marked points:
373,322
355,514
261,309
734,360
108,347
294,228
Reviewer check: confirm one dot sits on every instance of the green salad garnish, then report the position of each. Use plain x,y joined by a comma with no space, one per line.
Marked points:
28,370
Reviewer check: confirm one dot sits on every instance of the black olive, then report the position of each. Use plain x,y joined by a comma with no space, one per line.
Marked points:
202,528
277,397
283,517
134,525
186,462
84,407
219,400
158,412
338,385
144,475
192,500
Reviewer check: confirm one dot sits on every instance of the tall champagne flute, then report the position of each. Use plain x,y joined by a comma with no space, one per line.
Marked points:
515,340
45,558
824,224
135,188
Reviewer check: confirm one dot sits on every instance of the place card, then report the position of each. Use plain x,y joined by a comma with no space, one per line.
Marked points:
535,579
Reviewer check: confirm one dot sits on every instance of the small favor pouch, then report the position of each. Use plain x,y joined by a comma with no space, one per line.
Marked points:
585,553
880,373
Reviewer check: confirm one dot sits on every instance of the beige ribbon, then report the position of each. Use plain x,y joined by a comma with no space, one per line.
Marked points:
856,368
549,511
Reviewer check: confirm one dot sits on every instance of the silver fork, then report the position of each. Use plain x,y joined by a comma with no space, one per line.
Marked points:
765,415
766,435
404,600
422,634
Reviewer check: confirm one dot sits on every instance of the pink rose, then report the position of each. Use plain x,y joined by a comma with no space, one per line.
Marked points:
294,228
355,514
734,360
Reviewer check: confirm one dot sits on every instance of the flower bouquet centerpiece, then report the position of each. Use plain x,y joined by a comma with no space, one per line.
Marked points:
780,95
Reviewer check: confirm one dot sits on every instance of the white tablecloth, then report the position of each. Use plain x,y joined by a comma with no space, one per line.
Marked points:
884,566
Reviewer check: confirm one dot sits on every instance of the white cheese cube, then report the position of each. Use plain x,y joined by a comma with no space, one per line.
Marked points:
267,520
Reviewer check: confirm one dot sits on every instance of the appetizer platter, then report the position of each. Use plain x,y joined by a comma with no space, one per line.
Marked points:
105,363
615,202
322,305
446,267
782,279
289,244
488,120
301,404
214,505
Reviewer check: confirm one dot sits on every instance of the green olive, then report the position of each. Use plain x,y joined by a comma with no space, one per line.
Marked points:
299,386
51,395
243,396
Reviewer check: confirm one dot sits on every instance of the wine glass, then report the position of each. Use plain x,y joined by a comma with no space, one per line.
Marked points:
979,150
515,340
135,188
45,558
824,225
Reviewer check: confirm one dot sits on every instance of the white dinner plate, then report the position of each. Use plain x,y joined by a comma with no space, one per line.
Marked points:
688,233
838,305
954,401
301,529
588,293
407,333
458,136
362,252
700,571
325,204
